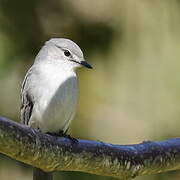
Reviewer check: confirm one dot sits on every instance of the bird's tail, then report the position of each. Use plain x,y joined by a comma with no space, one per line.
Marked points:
39,174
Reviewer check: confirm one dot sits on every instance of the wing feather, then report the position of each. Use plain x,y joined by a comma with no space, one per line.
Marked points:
26,100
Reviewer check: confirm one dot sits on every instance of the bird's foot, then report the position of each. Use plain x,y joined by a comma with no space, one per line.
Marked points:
74,140
53,134
62,134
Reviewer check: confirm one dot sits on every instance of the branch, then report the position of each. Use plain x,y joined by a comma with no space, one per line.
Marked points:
52,153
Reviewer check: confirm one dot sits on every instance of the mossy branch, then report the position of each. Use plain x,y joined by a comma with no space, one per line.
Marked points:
61,154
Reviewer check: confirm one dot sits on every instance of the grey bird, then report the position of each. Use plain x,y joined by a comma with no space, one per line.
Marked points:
50,92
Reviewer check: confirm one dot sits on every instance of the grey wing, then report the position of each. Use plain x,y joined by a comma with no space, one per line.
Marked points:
26,100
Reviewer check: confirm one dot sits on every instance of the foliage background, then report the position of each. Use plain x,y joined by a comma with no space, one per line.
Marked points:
133,93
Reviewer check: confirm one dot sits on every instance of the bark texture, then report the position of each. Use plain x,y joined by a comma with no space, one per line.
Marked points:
51,153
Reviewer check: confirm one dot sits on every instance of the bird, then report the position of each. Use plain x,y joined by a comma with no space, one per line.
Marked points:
50,92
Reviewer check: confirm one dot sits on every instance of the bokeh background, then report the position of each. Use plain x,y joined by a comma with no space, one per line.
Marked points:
133,92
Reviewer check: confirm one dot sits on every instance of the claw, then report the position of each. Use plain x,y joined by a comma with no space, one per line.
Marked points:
74,140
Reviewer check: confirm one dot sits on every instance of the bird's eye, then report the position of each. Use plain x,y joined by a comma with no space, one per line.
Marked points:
67,53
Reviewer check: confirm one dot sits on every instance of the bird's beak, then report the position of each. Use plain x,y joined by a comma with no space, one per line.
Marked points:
85,64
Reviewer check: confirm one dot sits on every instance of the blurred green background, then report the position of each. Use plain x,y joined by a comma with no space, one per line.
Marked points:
133,93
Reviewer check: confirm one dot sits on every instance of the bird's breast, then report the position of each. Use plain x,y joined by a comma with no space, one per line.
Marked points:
57,99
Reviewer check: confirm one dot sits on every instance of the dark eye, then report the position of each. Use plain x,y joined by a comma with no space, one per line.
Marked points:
67,53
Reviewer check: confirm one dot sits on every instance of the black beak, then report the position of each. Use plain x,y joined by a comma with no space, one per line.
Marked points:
85,64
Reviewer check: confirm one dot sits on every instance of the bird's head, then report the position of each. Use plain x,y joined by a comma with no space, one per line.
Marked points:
66,52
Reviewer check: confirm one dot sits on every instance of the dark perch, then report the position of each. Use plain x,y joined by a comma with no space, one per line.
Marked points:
51,153
38,174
